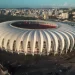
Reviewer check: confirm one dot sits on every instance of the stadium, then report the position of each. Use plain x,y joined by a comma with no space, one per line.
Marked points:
36,37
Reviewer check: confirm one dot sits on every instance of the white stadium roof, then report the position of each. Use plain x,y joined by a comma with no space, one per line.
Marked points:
37,41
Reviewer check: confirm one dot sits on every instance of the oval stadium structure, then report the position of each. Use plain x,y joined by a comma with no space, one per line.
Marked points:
37,37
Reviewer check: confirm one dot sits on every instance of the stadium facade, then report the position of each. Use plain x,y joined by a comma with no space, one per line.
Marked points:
56,38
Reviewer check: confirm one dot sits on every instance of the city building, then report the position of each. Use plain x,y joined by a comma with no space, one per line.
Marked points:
63,15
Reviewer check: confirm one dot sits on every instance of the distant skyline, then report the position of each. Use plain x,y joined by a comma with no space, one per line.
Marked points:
36,3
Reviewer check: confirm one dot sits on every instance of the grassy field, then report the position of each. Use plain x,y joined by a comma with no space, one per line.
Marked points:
38,65
9,18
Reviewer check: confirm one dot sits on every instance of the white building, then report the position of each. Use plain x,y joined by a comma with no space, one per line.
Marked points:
65,15
37,41
50,13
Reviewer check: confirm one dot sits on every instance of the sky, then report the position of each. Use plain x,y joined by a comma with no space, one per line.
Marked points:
36,3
